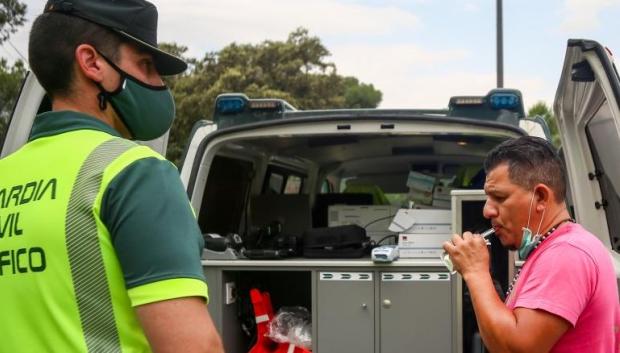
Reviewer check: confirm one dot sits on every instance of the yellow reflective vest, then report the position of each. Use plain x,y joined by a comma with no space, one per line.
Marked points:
61,285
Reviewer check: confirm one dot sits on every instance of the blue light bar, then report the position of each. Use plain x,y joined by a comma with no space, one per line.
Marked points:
232,109
230,105
500,104
504,101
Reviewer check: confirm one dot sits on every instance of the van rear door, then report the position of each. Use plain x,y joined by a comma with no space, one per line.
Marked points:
588,113
191,162
30,102
26,107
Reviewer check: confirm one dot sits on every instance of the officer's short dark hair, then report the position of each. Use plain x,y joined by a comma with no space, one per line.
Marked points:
51,49
531,160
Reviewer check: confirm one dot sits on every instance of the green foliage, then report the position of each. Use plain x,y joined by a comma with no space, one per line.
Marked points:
11,78
360,95
12,14
541,109
295,70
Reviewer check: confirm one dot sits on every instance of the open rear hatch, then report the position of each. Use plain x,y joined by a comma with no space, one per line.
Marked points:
588,113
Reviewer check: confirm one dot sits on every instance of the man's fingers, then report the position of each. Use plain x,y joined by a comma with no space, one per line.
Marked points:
464,241
467,238
480,240
448,246
456,239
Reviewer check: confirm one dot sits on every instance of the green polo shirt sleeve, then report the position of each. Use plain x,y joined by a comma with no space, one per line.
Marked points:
154,232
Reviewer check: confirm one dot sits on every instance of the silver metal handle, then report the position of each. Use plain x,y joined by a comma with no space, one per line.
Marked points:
364,306
387,303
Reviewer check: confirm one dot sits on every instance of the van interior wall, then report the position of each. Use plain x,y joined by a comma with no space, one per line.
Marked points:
225,196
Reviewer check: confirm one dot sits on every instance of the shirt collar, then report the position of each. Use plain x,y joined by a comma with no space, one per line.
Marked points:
57,122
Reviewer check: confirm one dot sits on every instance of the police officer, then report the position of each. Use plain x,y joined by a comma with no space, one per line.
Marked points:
100,250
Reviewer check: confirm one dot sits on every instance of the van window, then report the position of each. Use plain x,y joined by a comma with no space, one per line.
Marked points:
602,133
276,181
282,181
326,186
293,185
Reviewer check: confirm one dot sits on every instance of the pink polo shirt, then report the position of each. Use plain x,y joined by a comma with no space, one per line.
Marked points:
571,275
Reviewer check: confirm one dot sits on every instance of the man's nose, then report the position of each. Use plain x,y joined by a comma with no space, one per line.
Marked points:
489,210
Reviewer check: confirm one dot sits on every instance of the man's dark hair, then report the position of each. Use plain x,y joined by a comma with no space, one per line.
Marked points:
531,160
51,50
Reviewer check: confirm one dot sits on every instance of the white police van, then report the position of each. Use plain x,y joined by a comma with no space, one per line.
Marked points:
271,174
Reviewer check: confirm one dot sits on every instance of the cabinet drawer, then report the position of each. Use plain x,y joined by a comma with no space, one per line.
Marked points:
345,312
415,312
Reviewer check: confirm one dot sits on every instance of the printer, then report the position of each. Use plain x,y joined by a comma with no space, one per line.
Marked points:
421,232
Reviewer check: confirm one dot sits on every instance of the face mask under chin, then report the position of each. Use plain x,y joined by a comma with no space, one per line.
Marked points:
529,240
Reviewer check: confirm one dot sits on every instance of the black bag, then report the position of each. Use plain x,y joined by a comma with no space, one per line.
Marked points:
348,241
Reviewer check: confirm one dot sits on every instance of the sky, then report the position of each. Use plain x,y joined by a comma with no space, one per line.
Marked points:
419,53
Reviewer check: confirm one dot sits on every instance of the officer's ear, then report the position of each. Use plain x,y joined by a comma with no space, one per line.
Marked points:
89,63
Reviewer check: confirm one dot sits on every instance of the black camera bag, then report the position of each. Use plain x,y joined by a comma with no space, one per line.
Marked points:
348,241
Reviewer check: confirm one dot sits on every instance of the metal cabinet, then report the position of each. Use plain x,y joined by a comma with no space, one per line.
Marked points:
410,312
362,309
345,312
415,312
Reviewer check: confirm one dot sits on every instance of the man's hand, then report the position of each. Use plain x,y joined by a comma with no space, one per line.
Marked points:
469,254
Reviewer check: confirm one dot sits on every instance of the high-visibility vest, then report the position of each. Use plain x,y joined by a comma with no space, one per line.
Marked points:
61,285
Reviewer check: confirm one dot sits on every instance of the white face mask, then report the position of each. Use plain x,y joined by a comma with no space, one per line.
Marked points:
529,242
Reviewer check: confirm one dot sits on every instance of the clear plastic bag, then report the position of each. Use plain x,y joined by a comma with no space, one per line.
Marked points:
292,325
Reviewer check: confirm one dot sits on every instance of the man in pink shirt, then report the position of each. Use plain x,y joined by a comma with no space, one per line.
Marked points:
565,298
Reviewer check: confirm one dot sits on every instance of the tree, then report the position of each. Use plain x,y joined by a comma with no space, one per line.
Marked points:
295,70
12,15
360,95
541,109
11,78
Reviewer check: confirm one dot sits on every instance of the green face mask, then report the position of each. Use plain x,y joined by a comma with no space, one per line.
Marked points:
147,111
528,241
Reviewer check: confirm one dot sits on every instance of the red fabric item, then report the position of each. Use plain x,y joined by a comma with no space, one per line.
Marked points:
263,313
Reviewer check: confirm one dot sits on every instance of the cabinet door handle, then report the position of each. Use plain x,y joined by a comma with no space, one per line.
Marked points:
364,306
387,303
